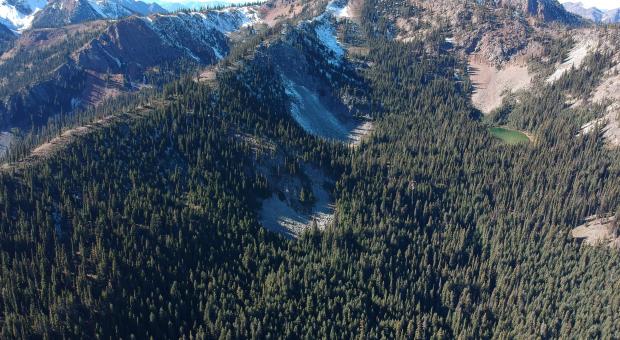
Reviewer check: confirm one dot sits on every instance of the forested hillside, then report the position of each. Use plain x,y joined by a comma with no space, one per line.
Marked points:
149,225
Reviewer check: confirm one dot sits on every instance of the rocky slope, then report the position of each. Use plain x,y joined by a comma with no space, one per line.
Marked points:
497,38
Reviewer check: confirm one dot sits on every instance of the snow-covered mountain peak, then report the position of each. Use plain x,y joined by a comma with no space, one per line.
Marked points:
122,8
18,14
225,20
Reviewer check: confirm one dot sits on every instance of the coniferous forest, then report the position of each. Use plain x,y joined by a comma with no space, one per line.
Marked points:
148,227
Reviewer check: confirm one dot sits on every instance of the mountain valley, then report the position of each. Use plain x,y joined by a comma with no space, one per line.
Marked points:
407,169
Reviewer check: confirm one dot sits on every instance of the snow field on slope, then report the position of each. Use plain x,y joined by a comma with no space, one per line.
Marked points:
16,20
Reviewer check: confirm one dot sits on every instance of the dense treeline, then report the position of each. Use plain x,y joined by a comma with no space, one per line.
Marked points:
148,227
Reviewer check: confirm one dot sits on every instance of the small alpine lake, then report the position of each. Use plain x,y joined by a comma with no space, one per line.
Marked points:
509,136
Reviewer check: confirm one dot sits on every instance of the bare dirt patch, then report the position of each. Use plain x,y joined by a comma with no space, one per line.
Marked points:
355,9
493,83
99,87
67,136
280,10
209,77
598,231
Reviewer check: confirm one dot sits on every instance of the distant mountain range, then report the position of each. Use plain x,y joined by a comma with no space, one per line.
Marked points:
592,13
18,15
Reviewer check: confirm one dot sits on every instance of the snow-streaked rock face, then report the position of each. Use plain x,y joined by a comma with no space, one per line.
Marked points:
326,34
339,8
140,42
59,13
56,13
611,16
115,9
546,10
202,29
323,27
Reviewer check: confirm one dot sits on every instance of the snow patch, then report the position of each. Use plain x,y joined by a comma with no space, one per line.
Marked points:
340,9
252,16
16,20
202,26
97,7
325,31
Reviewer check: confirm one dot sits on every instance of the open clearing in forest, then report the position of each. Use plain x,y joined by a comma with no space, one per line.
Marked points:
598,231
510,136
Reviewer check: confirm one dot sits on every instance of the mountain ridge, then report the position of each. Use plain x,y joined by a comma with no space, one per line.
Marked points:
108,58
19,15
